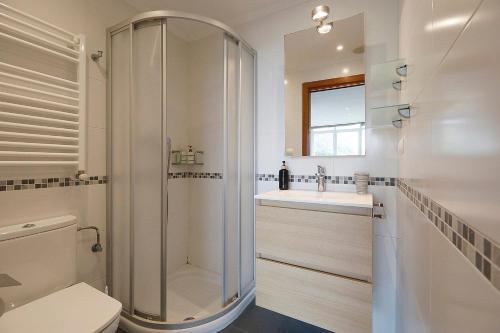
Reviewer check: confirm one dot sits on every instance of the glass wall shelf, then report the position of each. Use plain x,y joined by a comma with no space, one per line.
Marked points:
387,83
386,115
386,76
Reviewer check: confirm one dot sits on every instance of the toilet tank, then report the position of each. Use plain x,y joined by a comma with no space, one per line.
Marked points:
41,255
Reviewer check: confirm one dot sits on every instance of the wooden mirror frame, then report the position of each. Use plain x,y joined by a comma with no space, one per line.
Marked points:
328,84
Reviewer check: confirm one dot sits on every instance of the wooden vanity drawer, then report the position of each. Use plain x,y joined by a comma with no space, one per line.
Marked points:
335,303
324,241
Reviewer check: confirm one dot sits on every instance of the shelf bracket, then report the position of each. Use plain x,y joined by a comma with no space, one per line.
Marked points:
405,112
402,70
398,123
397,84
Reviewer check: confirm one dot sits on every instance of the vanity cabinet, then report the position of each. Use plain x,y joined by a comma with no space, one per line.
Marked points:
314,263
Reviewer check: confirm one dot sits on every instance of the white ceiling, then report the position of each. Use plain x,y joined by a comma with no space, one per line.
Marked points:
308,49
230,12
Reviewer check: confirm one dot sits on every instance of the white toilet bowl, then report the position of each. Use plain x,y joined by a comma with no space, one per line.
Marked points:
76,309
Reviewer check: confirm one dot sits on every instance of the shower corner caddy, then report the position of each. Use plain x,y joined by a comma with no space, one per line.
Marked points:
387,82
179,159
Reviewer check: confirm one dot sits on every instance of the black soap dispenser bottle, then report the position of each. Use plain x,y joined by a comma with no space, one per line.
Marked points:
284,177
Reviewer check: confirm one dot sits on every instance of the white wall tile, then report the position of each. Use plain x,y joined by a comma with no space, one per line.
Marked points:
92,265
450,154
413,263
384,284
417,41
29,205
449,17
178,223
96,153
98,284
462,299
267,186
206,224
96,103
452,141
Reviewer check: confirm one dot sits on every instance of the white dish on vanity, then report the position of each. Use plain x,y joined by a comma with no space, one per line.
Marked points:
314,257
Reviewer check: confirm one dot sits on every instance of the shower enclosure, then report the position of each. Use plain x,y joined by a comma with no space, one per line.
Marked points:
180,232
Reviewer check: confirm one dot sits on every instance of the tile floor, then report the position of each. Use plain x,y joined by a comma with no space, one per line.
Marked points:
259,320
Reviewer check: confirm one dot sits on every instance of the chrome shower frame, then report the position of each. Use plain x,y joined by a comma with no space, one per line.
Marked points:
163,16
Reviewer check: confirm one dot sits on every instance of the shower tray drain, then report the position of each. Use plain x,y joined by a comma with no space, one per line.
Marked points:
189,318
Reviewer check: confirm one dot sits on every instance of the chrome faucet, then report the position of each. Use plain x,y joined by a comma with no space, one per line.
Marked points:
321,176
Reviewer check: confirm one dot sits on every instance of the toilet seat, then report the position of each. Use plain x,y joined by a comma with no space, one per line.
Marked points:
76,309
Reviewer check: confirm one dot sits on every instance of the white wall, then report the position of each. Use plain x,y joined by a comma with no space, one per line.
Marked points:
88,203
381,38
452,154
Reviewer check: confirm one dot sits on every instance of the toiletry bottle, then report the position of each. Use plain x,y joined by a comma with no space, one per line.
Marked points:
283,177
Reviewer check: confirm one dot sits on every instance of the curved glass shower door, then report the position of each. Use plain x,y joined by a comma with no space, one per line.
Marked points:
136,168
182,231
195,99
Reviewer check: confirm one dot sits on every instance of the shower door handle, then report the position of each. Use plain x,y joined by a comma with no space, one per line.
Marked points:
168,143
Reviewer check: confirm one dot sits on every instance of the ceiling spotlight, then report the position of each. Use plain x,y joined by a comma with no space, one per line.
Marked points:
325,28
320,13
340,47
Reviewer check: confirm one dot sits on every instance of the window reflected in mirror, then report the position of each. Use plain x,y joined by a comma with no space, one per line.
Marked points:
333,117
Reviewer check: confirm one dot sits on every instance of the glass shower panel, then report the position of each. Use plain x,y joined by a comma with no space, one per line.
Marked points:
146,163
247,171
194,56
231,170
120,167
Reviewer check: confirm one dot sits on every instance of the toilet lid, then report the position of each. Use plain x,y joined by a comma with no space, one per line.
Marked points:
76,309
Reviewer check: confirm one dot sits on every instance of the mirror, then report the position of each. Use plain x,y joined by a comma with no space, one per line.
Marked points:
325,90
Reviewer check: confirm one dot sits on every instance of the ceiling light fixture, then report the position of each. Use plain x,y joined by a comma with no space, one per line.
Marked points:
324,28
340,47
319,15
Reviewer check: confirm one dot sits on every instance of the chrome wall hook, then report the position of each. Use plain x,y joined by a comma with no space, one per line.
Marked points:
95,56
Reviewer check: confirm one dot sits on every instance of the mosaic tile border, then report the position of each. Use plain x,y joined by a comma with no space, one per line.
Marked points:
39,183
481,251
195,175
347,180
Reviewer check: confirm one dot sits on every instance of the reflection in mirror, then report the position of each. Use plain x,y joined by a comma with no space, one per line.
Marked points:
325,91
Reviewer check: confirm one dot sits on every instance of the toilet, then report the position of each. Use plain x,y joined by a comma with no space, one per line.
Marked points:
41,256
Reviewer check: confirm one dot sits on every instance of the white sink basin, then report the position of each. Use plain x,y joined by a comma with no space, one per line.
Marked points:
345,199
